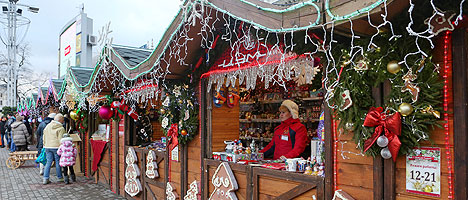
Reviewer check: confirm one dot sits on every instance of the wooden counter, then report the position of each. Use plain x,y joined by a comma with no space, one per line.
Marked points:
261,183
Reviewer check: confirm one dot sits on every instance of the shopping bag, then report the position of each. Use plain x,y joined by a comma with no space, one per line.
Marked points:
42,157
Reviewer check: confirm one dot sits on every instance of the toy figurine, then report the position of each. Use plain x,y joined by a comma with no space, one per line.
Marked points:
308,170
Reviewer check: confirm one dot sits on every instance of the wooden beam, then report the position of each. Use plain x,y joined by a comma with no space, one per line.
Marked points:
460,109
378,165
329,149
117,160
389,165
203,133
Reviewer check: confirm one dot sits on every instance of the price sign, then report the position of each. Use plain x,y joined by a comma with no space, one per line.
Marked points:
423,171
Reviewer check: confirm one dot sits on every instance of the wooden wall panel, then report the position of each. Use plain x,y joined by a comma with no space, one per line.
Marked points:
225,126
355,171
157,131
158,192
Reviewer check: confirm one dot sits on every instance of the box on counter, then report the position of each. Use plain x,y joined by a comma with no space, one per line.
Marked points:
231,157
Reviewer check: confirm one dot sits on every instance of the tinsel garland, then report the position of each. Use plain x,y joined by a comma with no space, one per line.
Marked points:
180,106
416,126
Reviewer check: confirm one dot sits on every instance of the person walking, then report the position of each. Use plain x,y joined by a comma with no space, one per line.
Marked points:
53,133
39,134
2,131
20,134
67,153
7,126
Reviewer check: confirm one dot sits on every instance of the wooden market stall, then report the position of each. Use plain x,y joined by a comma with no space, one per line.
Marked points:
253,49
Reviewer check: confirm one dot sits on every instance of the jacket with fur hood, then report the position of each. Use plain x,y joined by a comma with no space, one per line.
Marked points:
67,152
53,133
19,133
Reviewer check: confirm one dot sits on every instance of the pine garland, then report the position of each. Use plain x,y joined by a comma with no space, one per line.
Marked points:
416,126
180,106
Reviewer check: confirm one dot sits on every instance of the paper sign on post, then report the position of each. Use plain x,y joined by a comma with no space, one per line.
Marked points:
175,154
423,171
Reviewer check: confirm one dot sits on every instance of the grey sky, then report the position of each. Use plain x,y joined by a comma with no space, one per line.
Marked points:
133,22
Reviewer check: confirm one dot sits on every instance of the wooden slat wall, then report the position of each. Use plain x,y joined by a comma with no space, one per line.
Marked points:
225,126
122,151
157,131
355,172
174,173
193,161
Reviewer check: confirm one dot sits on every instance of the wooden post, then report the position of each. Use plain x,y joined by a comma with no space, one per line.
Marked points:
378,175
329,162
460,112
183,169
203,133
389,169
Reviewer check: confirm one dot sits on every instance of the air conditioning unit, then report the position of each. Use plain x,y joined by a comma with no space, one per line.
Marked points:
92,40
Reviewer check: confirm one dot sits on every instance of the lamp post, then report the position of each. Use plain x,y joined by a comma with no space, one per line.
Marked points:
14,19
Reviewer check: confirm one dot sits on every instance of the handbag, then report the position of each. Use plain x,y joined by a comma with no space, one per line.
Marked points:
42,157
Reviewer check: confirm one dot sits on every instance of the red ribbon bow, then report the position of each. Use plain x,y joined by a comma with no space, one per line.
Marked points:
173,133
390,124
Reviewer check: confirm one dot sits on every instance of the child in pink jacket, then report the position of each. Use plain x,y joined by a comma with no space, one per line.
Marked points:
67,153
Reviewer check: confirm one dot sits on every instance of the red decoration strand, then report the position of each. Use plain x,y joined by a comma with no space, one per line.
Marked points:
447,40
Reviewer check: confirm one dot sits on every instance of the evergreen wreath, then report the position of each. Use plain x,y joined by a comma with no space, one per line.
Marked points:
180,107
415,126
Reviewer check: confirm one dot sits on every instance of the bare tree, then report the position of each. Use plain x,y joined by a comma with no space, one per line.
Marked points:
28,79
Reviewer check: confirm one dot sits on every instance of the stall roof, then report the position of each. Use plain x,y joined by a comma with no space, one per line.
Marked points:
82,75
132,55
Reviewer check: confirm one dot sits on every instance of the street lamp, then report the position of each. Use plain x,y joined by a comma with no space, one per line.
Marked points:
14,19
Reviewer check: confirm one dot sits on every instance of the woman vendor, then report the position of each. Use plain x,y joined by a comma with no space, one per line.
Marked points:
290,137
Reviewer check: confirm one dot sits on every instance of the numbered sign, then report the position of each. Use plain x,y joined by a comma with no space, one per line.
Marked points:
423,171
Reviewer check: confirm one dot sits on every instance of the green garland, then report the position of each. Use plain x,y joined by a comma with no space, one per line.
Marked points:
416,126
180,107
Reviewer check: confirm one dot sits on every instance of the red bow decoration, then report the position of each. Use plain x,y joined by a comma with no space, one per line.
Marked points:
390,124
173,133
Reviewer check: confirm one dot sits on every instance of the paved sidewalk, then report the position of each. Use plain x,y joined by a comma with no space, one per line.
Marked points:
26,183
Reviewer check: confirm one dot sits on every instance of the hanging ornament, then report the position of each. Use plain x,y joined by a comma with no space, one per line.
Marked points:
409,86
349,126
183,132
382,141
385,153
163,111
151,165
440,22
194,192
132,172
105,112
73,115
347,101
430,110
405,109
361,65
393,67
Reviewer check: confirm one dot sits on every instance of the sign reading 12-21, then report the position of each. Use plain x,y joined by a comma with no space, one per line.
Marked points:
423,171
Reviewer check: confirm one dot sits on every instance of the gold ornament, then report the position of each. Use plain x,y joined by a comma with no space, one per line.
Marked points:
393,67
183,132
73,115
163,111
405,109
430,110
180,101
